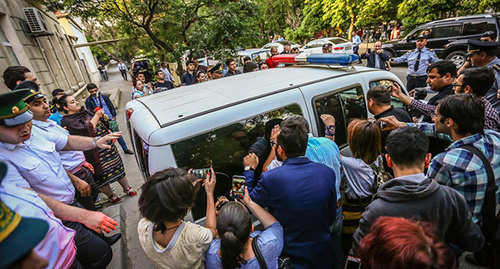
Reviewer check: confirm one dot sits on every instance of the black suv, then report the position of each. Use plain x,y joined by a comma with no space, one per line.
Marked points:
448,37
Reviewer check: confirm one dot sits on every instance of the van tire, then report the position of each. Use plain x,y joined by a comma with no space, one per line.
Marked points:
457,57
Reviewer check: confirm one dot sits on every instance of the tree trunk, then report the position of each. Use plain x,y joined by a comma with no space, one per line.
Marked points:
351,26
156,40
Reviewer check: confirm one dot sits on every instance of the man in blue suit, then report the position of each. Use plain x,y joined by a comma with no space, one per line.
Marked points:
301,194
98,100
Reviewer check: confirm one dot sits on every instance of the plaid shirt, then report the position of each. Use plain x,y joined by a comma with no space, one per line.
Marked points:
463,171
491,115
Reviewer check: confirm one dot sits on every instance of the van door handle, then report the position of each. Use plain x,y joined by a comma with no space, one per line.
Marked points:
452,40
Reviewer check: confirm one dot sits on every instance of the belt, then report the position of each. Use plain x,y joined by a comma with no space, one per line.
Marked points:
417,76
77,169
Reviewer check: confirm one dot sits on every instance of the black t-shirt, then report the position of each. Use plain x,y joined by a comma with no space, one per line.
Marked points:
400,114
163,86
448,90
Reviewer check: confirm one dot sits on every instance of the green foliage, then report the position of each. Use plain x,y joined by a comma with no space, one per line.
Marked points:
224,28
414,12
312,22
375,12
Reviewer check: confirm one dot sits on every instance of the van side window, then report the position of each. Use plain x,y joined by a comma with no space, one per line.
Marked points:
344,106
224,149
386,83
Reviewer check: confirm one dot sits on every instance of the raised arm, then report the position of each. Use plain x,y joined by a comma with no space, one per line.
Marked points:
211,221
262,215
84,143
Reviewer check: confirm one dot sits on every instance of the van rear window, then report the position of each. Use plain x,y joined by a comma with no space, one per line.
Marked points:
225,148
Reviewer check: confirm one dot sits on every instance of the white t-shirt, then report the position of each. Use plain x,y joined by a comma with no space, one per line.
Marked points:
186,248
359,177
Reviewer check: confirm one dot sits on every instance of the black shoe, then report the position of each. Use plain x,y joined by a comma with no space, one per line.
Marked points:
128,151
112,239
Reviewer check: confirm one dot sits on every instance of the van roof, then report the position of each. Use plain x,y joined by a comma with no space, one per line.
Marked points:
186,102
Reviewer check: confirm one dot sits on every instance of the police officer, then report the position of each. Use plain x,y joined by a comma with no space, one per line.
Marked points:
483,53
418,60
33,162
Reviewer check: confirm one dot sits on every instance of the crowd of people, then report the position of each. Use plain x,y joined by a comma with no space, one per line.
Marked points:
420,189
53,163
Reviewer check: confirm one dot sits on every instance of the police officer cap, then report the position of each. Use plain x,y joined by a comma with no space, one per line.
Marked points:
13,109
34,92
481,46
422,36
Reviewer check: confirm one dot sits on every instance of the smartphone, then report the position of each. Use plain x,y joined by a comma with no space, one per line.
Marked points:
238,187
200,173
352,263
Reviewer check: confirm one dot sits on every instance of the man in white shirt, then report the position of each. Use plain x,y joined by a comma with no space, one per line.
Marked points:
123,70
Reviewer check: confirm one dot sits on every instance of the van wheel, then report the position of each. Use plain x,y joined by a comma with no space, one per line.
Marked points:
457,57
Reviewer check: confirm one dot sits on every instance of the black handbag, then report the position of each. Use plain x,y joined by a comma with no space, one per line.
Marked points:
284,262
489,255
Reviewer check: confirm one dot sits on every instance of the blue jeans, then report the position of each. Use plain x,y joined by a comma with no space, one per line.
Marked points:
336,232
114,127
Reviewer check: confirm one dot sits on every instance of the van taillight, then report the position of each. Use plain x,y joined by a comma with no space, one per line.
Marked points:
129,113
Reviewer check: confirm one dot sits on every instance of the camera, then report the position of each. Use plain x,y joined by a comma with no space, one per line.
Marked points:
382,124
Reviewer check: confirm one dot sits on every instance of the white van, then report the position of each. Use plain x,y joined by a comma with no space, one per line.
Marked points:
216,122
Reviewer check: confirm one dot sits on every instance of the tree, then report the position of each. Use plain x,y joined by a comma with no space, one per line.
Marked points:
413,12
339,12
312,22
375,12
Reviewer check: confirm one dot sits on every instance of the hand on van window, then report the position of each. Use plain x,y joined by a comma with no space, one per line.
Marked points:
274,133
251,160
327,119
395,90
209,182
392,123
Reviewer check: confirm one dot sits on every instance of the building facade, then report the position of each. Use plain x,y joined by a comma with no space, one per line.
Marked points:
47,51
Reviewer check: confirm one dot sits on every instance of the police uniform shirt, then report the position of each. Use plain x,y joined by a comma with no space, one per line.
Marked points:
70,159
58,246
426,57
38,165
492,93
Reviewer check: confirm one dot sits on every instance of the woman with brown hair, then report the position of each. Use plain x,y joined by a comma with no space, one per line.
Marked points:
108,165
359,172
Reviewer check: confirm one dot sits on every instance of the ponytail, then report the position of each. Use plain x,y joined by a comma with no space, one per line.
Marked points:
234,226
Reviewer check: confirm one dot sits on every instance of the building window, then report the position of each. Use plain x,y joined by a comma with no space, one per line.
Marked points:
7,47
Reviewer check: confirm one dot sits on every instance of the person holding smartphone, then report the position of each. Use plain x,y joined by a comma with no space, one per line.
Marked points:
168,240
236,232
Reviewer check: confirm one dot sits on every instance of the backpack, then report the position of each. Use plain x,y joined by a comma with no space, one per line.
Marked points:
381,176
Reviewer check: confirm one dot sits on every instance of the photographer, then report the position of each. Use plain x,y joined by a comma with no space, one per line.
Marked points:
235,247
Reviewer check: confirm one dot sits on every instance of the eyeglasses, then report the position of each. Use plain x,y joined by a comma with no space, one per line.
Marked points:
454,85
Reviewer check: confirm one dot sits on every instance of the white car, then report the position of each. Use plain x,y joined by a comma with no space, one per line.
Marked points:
280,45
339,45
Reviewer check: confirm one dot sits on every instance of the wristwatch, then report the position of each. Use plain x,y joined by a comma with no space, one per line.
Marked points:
94,141
249,168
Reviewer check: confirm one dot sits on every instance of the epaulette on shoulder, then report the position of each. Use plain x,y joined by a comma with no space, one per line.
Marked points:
430,50
497,67
410,51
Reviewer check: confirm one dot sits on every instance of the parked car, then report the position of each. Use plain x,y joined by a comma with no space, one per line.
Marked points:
448,37
215,123
279,45
339,45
